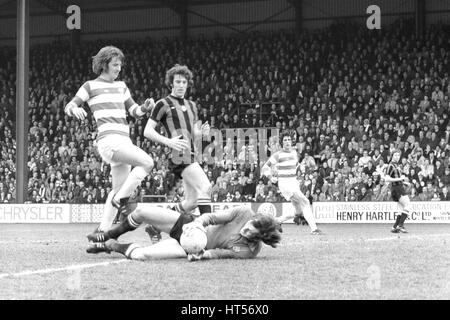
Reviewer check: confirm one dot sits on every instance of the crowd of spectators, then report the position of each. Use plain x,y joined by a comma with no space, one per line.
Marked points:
349,94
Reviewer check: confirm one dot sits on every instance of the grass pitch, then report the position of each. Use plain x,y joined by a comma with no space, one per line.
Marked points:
350,261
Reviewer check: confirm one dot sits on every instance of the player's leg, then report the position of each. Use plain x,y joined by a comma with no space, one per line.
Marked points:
153,233
161,218
189,202
296,203
119,173
142,163
398,195
166,249
286,191
197,189
404,203
306,208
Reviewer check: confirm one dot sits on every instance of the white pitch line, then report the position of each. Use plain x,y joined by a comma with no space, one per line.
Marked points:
381,239
40,241
52,270
423,237
404,237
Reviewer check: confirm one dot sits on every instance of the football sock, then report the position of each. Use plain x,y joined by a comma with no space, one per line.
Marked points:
403,218
179,207
309,217
204,206
397,221
128,224
124,248
133,180
131,253
109,213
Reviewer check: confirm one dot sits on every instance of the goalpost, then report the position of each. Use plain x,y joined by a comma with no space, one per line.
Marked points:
23,22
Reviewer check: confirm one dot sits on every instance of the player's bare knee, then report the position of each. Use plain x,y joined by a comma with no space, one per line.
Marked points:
296,199
148,164
202,190
138,214
303,201
405,203
205,189
189,204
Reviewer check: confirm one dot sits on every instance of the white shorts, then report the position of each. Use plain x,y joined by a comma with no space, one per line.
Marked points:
108,145
288,187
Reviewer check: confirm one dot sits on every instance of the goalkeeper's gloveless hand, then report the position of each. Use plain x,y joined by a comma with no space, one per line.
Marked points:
195,257
192,225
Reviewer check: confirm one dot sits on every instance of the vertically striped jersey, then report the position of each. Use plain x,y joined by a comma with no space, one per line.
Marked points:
108,102
178,117
285,163
394,171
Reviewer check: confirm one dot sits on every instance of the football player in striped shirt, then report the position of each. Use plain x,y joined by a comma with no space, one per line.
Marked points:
109,101
236,233
283,164
398,193
179,118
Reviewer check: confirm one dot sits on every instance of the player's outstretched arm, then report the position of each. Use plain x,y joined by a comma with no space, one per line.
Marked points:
240,253
138,111
72,110
148,105
269,168
388,178
284,217
265,170
221,217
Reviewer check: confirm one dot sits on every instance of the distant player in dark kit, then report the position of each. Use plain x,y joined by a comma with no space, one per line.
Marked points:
235,233
397,179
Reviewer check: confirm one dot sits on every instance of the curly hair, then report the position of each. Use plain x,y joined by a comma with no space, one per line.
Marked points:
283,134
181,70
104,56
268,230
396,150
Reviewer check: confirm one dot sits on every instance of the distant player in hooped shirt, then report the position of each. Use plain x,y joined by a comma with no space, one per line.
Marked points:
283,165
109,101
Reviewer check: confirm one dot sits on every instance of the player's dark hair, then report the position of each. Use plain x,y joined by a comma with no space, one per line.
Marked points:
268,230
394,152
285,134
181,70
104,56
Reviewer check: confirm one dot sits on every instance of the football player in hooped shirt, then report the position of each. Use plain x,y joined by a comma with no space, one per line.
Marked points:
283,164
234,233
109,101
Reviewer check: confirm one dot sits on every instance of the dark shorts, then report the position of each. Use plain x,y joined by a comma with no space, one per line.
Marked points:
397,192
177,169
177,228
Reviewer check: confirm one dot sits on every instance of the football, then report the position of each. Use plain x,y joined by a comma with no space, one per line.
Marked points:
193,240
